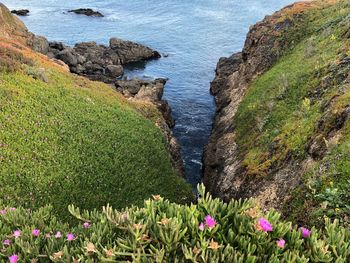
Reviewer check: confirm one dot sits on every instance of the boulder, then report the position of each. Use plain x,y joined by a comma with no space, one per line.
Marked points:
87,12
132,52
68,57
114,71
59,46
40,44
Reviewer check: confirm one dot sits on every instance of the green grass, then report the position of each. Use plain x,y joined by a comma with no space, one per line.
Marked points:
279,115
73,141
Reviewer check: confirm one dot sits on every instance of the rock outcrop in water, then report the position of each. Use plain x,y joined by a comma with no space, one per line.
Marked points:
98,62
20,12
271,169
86,12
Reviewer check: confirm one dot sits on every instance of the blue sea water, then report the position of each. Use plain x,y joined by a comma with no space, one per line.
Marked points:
193,33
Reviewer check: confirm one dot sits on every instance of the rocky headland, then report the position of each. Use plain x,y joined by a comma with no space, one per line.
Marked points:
106,64
276,130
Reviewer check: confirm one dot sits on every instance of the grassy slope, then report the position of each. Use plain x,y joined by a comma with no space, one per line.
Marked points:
279,115
64,139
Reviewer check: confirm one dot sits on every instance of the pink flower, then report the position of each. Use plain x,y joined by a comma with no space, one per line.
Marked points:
305,232
36,232
17,233
12,208
201,226
281,243
264,225
58,234
86,225
6,242
70,237
209,221
3,211
13,259
48,235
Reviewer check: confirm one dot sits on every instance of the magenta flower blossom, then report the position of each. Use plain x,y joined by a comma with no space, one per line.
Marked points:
264,225
70,236
36,232
6,242
3,211
201,226
281,243
13,259
86,225
305,232
58,234
17,233
209,221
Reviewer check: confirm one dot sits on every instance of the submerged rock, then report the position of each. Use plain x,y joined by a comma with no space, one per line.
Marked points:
20,12
87,12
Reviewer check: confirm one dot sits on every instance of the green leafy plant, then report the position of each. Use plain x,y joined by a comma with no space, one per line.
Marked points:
161,231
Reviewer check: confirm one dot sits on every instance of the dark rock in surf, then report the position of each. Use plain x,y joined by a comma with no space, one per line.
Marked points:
86,12
20,12
129,52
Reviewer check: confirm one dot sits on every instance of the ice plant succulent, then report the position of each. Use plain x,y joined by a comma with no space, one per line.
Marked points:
17,233
264,225
305,232
6,242
14,258
281,243
70,236
210,221
36,232
86,225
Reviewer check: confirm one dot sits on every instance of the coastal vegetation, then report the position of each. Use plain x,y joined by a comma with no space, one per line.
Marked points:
68,140
161,231
86,174
299,109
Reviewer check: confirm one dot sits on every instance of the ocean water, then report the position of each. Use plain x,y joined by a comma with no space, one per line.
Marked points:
193,34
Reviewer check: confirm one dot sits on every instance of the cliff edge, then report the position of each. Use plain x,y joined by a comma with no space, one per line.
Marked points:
281,126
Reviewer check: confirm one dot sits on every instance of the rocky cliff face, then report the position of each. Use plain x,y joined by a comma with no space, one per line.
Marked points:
247,155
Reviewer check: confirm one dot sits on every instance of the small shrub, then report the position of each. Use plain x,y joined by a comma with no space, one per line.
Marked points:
11,60
37,73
